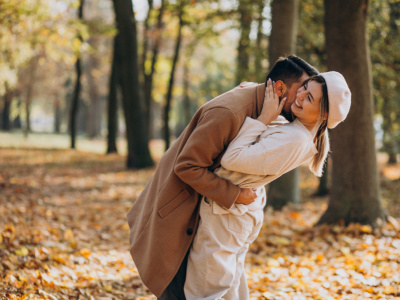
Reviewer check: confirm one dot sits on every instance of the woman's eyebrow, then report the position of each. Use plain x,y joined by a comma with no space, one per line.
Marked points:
311,96
306,88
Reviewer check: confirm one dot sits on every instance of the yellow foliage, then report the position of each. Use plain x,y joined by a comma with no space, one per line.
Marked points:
23,251
69,235
366,228
85,253
108,288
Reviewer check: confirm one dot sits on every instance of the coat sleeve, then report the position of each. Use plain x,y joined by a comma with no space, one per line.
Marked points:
210,138
272,154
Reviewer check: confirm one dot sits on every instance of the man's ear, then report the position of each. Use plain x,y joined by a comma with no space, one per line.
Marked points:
280,88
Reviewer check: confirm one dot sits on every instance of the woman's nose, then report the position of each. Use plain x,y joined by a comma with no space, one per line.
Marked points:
302,95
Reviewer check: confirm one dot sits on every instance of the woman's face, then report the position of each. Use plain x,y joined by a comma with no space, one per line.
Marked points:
306,106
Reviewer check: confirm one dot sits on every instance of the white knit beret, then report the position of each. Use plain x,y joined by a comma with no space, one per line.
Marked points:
339,97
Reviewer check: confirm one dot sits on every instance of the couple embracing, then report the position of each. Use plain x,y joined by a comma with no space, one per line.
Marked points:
192,225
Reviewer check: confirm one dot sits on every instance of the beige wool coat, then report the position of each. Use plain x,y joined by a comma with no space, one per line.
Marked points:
163,220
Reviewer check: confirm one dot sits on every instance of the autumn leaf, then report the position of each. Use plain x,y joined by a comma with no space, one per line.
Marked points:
85,253
295,215
22,251
108,288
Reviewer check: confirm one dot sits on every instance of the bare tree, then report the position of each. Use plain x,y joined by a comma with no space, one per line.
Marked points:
153,51
355,189
137,138
57,113
94,111
6,124
243,58
260,52
168,100
77,89
30,87
283,42
112,104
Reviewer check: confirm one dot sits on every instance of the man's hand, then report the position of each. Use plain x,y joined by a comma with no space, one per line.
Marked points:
246,196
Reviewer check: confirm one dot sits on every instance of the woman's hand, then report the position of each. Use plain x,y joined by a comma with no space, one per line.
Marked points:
271,107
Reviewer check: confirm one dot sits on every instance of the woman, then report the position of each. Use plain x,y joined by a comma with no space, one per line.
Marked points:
259,154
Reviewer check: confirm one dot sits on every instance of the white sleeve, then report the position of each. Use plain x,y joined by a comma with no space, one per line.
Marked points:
273,154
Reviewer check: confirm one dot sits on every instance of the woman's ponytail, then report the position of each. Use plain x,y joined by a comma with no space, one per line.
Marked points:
321,142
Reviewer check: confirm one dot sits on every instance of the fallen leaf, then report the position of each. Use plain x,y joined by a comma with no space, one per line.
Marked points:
23,251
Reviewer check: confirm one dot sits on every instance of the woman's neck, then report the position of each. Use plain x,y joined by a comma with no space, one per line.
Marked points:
309,126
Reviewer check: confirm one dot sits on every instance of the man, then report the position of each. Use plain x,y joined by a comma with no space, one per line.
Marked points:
164,218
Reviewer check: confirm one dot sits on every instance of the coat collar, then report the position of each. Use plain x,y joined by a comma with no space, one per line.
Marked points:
260,92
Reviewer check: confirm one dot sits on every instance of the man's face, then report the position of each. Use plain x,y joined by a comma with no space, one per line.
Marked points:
291,97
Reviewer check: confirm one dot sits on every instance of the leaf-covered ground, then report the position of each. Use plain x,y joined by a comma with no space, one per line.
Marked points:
63,235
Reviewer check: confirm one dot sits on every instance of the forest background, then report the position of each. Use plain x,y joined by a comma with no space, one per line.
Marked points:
120,76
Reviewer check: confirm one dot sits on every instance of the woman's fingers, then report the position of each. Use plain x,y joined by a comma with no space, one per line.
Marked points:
282,104
271,106
268,89
272,95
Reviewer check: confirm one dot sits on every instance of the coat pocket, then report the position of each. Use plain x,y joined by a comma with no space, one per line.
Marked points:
174,203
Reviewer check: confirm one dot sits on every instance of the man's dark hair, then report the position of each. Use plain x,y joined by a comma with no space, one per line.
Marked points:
290,69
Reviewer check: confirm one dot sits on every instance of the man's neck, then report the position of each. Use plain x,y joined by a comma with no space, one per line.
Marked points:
288,115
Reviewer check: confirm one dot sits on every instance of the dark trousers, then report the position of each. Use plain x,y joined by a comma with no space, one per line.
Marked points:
174,290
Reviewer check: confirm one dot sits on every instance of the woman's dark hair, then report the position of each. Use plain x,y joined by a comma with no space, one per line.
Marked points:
290,69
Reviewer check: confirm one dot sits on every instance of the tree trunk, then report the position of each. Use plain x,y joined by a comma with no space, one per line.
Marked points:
184,109
260,52
284,190
392,158
284,22
390,138
57,115
77,89
112,109
94,113
168,101
29,94
146,38
75,103
282,42
187,114
137,138
355,188
6,124
148,77
245,10
389,135
16,122
27,128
